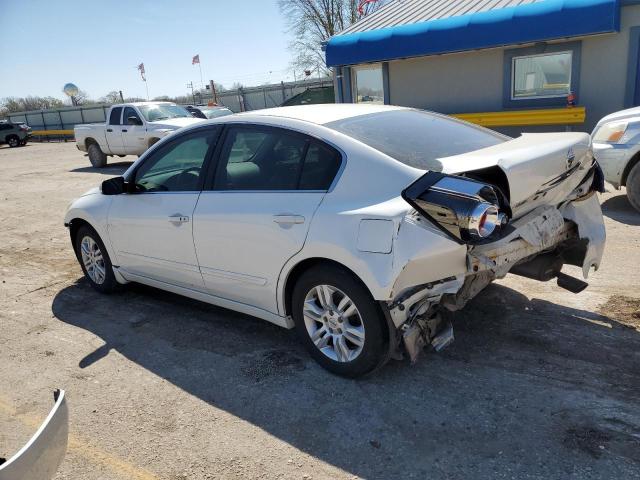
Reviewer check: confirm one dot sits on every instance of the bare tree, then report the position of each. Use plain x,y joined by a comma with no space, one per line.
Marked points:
112,97
313,22
15,104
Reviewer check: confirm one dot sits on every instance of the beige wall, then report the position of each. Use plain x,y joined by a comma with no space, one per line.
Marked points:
472,81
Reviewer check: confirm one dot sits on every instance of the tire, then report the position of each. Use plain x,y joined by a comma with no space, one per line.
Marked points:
96,156
633,187
101,279
334,326
23,143
13,141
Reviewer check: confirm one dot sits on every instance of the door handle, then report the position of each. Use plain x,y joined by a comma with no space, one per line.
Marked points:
288,219
123,130
178,218
109,129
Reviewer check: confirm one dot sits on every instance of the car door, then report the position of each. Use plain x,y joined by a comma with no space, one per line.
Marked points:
255,213
151,229
134,132
113,131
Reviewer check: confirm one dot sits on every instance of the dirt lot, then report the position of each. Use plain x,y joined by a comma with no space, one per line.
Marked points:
540,383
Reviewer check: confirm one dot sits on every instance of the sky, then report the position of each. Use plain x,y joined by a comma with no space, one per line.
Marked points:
97,45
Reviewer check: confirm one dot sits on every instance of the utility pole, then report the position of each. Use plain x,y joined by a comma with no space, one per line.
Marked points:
213,91
190,85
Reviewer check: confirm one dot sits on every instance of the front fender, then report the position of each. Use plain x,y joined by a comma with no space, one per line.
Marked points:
93,209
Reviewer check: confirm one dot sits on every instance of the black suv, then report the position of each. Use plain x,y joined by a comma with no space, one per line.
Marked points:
15,134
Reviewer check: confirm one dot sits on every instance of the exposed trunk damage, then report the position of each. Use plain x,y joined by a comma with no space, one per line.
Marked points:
536,245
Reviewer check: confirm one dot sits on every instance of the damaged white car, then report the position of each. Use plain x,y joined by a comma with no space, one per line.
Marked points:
361,226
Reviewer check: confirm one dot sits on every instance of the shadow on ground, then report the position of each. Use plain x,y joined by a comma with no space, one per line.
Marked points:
529,389
619,209
117,168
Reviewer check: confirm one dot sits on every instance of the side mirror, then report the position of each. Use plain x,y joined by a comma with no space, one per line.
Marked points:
113,186
133,121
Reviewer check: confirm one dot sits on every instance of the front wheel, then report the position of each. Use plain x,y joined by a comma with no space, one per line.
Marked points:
633,186
13,141
339,322
94,260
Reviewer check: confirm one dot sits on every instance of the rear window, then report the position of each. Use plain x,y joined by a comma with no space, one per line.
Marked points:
416,138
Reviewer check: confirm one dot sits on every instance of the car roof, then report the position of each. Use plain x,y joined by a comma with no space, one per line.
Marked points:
322,114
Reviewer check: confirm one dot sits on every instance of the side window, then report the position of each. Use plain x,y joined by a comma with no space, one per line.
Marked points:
177,166
260,159
114,117
129,112
320,167
5,126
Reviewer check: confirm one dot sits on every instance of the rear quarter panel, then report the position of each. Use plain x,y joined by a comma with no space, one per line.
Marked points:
94,132
369,188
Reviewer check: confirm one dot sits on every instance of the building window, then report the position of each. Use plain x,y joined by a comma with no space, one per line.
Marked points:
368,84
541,76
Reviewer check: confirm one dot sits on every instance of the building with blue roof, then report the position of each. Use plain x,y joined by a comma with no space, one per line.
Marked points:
513,65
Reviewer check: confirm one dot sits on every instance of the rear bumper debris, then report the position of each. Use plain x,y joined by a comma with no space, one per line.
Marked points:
572,234
40,457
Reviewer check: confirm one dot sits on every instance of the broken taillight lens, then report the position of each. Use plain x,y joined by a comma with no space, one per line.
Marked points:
468,210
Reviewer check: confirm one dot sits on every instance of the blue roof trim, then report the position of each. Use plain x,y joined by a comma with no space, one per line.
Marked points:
546,20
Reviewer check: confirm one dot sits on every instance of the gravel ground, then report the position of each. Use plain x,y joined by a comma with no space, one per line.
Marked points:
540,383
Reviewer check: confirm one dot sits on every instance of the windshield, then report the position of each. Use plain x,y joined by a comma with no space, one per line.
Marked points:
417,138
163,111
216,112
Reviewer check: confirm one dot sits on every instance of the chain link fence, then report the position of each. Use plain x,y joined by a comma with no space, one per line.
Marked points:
59,123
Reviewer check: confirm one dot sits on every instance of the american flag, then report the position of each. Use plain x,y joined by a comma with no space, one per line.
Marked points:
141,69
195,59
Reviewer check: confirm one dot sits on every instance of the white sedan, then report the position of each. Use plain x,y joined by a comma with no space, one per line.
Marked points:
616,145
361,226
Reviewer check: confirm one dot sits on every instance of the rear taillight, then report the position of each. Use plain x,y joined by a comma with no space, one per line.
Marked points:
468,210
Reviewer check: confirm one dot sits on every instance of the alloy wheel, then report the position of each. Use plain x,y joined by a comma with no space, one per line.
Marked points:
333,323
93,260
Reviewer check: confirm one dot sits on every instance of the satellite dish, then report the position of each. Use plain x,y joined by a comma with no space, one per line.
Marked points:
70,89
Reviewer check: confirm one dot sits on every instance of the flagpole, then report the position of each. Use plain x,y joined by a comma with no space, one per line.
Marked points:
201,81
147,87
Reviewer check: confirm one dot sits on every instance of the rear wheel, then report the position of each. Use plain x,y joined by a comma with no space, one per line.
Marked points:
339,322
633,186
94,260
96,156
13,141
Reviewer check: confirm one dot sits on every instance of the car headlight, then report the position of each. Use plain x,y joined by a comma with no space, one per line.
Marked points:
610,132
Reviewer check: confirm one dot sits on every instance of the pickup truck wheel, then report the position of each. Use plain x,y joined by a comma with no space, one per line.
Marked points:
13,141
94,260
633,186
339,322
96,156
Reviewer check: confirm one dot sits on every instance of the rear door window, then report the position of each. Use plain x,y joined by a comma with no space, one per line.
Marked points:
114,117
259,158
320,167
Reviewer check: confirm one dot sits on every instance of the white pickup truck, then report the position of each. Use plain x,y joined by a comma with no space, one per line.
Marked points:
130,130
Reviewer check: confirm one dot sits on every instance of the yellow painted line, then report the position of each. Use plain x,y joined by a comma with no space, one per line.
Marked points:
96,455
547,116
52,132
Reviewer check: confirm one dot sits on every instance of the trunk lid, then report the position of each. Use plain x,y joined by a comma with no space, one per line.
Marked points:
540,168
